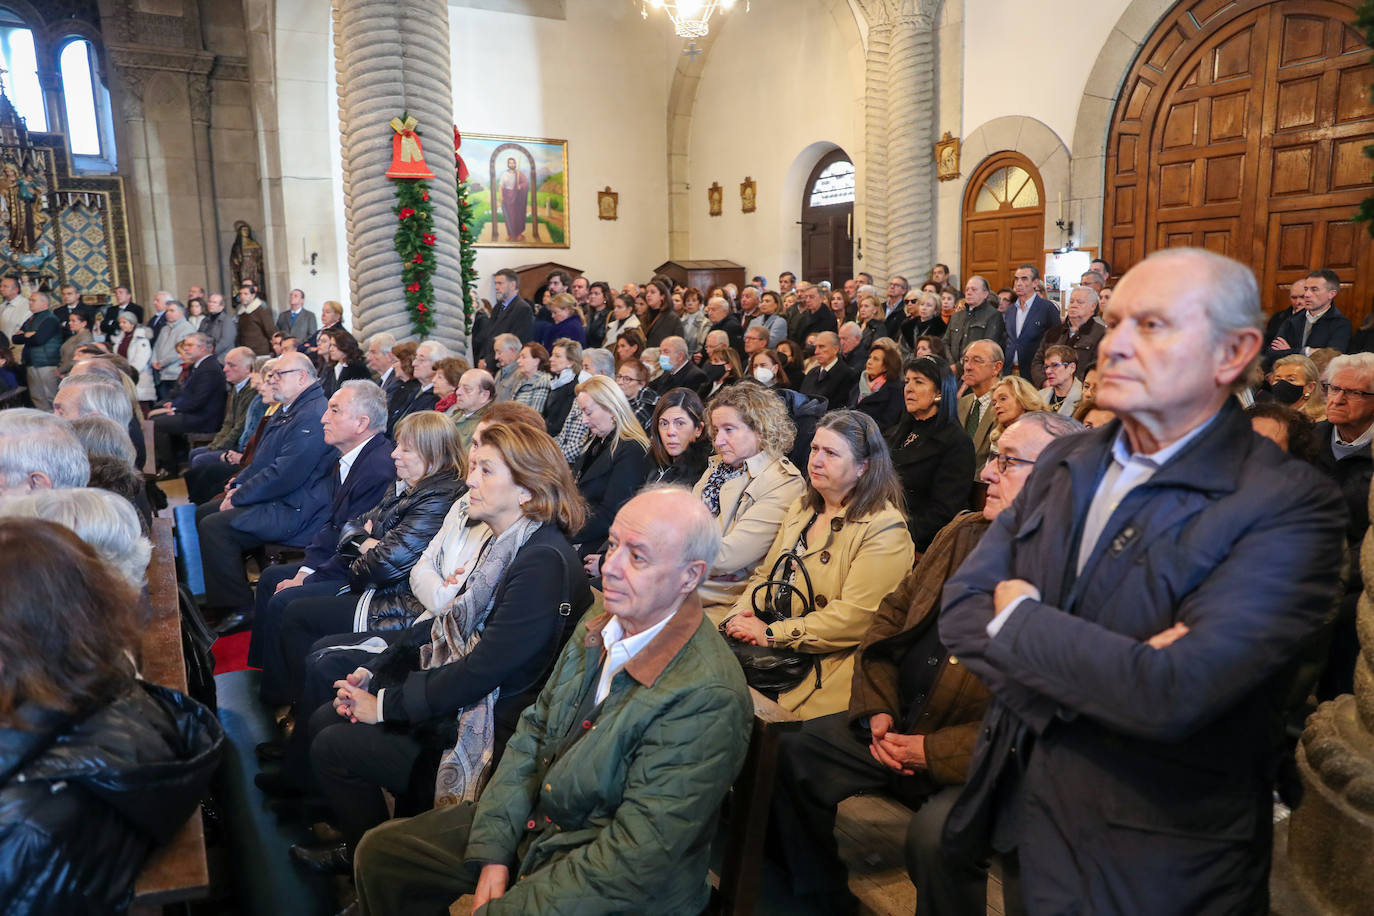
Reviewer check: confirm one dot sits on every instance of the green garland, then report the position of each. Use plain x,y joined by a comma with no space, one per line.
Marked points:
1364,21
468,255
415,244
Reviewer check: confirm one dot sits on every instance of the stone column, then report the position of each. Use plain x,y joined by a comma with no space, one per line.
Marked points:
1331,834
391,57
911,145
872,257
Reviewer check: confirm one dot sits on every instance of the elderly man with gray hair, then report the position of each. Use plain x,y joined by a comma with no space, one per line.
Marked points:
422,369
507,349
661,715
678,370
197,408
1136,613
39,452
105,521
166,361
41,337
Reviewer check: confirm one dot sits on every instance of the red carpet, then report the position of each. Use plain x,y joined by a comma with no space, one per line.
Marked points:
231,652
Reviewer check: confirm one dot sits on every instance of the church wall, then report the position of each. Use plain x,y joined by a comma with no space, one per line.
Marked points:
597,79
782,86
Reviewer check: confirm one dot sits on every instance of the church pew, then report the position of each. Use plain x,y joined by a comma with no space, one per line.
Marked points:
178,871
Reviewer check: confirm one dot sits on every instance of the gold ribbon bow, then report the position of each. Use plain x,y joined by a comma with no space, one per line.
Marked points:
410,147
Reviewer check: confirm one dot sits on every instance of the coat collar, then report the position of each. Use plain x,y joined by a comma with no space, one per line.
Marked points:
653,660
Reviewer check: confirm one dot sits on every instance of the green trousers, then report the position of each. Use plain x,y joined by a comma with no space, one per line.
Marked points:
415,865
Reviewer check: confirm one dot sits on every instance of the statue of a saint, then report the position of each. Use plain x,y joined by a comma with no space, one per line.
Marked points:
22,199
245,258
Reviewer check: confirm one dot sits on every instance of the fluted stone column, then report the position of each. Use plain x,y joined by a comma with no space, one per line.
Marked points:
874,249
1331,834
392,57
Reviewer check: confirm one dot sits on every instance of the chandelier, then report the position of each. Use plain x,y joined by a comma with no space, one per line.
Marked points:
691,18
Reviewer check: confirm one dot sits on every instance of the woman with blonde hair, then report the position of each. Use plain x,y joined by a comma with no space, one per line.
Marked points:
1011,397
747,485
615,462
1297,384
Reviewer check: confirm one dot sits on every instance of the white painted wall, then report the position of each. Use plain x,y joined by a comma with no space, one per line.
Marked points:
1025,59
782,86
598,79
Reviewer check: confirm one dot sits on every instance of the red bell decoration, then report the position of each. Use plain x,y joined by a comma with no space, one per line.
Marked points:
457,143
407,159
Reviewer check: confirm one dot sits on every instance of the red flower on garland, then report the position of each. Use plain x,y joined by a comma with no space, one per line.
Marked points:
424,195
413,288
418,259
429,238
420,306
405,213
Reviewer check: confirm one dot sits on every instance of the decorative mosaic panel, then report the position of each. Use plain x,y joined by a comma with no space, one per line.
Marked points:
85,249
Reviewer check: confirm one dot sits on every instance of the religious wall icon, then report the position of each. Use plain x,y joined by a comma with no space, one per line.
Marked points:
607,203
714,196
245,258
747,191
947,157
22,194
407,158
524,200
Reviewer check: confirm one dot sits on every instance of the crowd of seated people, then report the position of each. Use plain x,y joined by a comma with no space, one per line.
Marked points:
533,590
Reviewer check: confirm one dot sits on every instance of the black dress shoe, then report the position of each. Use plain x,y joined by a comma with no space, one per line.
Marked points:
333,859
269,751
275,785
233,622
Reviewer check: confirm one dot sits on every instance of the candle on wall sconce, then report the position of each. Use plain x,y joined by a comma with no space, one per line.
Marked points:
1061,205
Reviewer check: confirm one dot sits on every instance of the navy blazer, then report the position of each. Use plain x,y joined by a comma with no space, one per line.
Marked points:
410,399
1040,317
285,489
1165,758
516,317
372,472
835,384
201,401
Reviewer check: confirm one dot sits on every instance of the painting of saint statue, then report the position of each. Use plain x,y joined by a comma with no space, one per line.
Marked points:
518,188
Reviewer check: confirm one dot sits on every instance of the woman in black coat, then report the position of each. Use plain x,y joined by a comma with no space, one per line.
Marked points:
677,438
342,359
564,361
616,460
388,541
882,377
933,455
491,649
96,766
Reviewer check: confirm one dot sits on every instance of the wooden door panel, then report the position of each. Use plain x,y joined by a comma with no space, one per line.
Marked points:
1241,128
997,241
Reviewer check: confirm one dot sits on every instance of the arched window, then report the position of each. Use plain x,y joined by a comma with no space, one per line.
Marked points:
21,70
77,64
834,185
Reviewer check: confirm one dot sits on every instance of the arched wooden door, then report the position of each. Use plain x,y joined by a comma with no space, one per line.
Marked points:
1240,129
827,220
1004,218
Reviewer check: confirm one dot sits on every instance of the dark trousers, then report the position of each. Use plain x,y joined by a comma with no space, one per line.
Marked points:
203,454
205,481
269,608
221,556
822,764
169,438
304,621
353,762
416,866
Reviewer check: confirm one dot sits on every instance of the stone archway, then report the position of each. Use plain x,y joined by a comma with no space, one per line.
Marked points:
1034,140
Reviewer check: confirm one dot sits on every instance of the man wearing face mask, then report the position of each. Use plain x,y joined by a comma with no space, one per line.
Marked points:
678,371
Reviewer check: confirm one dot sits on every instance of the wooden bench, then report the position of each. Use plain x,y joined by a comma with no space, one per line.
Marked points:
180,870
149,449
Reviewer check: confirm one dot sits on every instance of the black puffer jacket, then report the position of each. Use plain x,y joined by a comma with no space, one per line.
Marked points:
404,525
82,802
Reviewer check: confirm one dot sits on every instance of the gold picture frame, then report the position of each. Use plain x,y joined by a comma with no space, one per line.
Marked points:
947,157
538,188
608,203
748,195
714,198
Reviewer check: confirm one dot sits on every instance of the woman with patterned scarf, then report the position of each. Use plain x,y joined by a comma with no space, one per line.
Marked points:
448,694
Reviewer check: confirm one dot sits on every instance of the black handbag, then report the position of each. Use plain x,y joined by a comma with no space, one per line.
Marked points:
771,671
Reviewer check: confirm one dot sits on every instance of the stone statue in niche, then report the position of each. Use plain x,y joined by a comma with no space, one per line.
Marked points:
245,258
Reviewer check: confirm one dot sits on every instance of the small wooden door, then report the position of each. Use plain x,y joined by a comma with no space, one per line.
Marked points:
1004,219
1240,129
827,221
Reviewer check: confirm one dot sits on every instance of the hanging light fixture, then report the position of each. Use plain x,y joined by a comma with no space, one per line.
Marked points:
691,18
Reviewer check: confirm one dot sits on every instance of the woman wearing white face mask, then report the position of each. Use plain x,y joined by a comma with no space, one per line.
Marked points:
766,369
747,485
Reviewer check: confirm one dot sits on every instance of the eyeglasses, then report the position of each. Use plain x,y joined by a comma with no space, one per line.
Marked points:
278,373
1057,366
1353,394
912,301
975,360
626,379
1006,461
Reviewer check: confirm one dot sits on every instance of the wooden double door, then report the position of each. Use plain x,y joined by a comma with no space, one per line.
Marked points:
1004,219
1241,129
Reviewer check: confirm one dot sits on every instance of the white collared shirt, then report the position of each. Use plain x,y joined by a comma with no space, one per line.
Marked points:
346,460
620,649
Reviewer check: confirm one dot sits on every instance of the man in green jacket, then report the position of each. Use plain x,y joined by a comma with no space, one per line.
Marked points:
605,800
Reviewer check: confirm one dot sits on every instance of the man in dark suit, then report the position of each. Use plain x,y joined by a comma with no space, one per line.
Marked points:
1319,325
894,309
1027,319
818,316
238,366
1274,325
510,315
109,316
852,351
718,311
978,320
678,370
198,408
353,425
297,321
282,495
1135,614
831,379
421,394
382,362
